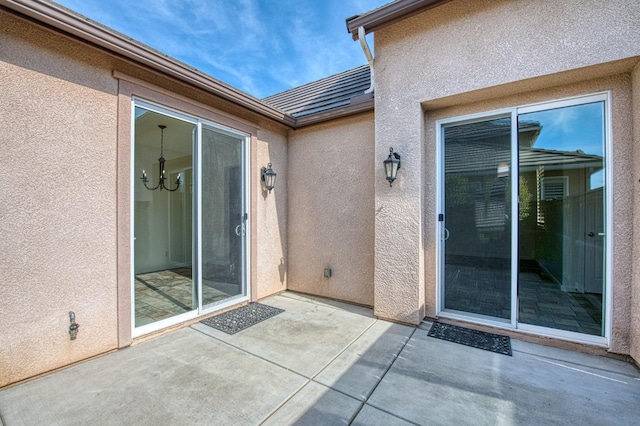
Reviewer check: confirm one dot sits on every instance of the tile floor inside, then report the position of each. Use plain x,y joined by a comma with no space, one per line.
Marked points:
487,291
163,294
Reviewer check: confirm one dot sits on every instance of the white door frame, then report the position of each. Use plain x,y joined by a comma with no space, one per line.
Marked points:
440,231
247,235
197,176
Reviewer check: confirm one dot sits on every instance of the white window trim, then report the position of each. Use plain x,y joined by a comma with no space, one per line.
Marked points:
604,341
198,122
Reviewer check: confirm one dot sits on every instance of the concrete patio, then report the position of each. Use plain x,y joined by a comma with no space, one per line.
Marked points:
324,362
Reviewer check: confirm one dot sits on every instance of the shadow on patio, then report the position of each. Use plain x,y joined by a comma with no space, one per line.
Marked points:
325,362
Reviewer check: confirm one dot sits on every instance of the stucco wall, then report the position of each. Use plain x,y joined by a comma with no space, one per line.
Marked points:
465,52
271,213
635,176
331,211
66,205
58,249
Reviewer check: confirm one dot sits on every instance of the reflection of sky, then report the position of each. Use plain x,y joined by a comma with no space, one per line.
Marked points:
571,128
596,180
140,112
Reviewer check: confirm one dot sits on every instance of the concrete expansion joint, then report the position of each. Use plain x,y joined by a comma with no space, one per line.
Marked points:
359,400
313,376
365,397
247,352
552,359
395,357
580,370
284,401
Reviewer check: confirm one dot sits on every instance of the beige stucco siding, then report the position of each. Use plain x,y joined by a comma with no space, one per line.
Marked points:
635,198
459,55
331,215
58,201
271,213
65,115
464,46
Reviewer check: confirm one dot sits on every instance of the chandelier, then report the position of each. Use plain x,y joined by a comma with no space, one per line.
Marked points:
161,172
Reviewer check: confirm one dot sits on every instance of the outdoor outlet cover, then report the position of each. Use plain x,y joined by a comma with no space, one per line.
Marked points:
327,272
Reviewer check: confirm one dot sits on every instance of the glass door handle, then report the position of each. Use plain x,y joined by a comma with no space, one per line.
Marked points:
240,230
446,234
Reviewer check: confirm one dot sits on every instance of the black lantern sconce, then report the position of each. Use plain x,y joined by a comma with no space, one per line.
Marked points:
161,171
391,166
268,176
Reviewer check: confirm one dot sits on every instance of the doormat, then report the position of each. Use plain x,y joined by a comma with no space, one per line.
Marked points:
243,317
474,338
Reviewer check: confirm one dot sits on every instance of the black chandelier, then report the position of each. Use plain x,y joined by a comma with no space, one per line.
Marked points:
161,171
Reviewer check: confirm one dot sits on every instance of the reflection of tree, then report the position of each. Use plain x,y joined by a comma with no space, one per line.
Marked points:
457,190
460,219
525,199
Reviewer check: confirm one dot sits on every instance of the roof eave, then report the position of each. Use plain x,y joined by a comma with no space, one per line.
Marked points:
389,14
73,25
332,114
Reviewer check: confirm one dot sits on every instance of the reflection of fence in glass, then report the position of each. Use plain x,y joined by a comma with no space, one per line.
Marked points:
560,208
563,248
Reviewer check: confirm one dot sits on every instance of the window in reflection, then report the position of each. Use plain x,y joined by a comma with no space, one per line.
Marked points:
561,244
560,217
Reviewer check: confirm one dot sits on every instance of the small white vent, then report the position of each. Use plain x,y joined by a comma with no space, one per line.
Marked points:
554,188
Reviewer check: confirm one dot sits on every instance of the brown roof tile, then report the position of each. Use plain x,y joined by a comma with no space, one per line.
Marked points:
322,95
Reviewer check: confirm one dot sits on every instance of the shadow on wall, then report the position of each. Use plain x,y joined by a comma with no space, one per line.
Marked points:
282,269
278,195
54,53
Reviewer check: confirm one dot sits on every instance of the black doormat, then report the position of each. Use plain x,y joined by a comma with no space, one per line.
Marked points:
243,317
474,338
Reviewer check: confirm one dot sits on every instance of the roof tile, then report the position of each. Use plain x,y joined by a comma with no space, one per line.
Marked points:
322,95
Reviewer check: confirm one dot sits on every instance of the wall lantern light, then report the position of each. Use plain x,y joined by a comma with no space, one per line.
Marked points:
391,166
268,176
161,172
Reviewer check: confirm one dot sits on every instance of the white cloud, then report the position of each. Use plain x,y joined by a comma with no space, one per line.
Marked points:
258,47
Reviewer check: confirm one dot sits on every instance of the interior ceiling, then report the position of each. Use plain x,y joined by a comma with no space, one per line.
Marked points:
178,136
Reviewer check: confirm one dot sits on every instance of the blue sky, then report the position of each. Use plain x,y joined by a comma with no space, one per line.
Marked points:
572,128
261,47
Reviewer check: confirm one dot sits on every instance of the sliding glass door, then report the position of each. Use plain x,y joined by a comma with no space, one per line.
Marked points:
189,217
536,261
477,242
223,216
163,217
562,224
